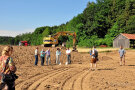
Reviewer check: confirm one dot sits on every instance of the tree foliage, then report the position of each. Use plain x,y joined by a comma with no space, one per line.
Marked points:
98,24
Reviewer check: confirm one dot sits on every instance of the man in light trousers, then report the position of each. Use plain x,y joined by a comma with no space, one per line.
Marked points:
48,57
58,53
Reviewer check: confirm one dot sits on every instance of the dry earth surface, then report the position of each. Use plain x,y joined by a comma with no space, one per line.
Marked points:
77,76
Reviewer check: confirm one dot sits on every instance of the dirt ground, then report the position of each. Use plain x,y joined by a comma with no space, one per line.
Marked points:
77,76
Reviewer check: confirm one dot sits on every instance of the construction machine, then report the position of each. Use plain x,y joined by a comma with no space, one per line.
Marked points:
53,39
23,43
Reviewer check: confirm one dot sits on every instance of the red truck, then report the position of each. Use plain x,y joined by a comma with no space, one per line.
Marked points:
23,43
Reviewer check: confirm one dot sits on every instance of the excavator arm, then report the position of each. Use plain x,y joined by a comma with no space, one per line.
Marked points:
66,33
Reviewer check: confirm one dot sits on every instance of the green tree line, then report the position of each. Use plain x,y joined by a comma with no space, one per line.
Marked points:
6,40
98,24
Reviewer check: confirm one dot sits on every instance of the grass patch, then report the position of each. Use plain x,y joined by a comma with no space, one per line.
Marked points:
98,49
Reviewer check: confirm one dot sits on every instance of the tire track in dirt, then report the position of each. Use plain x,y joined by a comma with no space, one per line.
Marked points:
22,81
50,79
86,80
82,80
79,82
68,84
36,85
25,84
72,82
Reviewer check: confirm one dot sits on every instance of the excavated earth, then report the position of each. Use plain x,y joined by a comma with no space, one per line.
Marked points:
77,76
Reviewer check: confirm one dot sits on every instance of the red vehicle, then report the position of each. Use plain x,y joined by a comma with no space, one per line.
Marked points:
23,43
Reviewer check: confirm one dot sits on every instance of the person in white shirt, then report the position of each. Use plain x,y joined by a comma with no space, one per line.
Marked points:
36,56
68,53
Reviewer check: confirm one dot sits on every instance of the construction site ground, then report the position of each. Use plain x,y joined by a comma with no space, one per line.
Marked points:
109,74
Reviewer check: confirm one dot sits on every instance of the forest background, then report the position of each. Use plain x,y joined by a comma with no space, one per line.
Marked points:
98,24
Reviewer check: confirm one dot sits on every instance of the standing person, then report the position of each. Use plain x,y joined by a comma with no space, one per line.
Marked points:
122,53
58,53
68,53
36,56
7,66
48,57
20,43
42,55
94,58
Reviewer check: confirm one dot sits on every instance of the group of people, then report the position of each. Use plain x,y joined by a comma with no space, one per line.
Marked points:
8,68
47,54
42,55
93,54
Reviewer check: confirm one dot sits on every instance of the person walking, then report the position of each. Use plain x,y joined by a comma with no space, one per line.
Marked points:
122,53
58,53
36,56
42,55
94,58
68,53
48,57
7,66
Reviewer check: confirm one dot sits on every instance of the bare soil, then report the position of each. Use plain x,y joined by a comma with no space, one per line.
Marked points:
77,76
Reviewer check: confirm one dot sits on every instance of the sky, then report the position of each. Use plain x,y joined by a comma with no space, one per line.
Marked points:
21,16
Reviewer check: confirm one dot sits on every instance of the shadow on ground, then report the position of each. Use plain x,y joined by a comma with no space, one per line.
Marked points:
107,69
131,65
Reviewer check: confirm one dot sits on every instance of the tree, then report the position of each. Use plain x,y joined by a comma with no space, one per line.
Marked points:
46,32
98,24
112,33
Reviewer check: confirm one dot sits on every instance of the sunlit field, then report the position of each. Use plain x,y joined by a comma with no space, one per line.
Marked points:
99,49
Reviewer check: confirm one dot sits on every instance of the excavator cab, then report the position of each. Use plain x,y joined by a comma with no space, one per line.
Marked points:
53,39
48,41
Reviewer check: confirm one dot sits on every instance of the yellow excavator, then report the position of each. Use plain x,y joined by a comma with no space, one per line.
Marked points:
53,39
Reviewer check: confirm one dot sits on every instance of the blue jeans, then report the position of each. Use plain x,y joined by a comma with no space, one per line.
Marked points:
36,59
69,59
42,61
